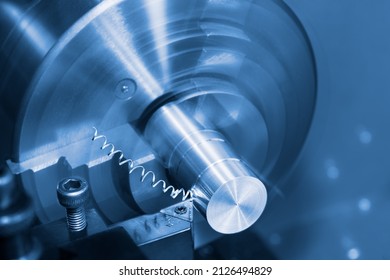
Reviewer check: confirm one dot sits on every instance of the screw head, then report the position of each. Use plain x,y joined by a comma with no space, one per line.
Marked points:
72,192
125,89
181,210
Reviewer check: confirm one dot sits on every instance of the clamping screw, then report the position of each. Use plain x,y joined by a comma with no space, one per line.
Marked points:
73,193
181,210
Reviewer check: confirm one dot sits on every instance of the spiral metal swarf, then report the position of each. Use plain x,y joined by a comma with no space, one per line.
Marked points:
144,173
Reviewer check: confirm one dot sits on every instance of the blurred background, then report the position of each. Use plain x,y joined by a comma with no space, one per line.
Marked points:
335,202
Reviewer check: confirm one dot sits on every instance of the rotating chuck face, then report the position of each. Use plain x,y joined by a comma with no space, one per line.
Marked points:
197,94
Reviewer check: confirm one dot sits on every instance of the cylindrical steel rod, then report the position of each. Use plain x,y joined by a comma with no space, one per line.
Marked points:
224,188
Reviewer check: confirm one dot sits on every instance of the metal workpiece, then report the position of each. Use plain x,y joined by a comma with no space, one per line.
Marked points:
122,61
153,102
223,187
208,47
73,194
235,205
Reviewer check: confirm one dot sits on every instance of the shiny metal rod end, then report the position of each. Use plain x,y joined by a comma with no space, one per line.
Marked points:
223,186
236,205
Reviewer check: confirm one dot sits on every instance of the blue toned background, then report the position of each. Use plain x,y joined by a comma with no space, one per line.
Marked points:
336,202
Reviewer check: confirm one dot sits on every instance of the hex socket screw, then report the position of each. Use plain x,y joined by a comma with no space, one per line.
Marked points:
73,193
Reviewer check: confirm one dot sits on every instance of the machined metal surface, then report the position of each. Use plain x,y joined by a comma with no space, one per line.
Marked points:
237,79
223,187
254,86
